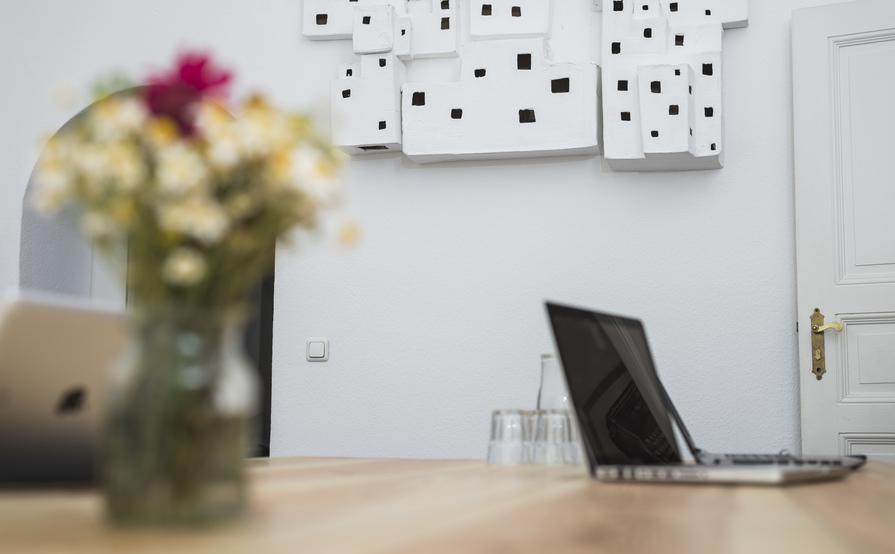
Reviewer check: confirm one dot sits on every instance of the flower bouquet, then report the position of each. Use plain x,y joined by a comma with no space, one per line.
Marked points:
187,196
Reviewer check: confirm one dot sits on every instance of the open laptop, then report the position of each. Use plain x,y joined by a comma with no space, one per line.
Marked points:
627,419
55,352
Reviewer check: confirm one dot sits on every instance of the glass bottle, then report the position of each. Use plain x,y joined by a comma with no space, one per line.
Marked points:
553,400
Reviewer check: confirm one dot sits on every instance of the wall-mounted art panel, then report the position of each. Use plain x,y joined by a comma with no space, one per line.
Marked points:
366,104
416,28
435,28
662,68
490,19
374,29
510,102
330,19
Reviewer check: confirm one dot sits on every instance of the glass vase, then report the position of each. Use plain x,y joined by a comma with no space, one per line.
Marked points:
180,411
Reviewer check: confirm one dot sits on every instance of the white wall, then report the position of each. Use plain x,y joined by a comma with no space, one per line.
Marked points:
435,318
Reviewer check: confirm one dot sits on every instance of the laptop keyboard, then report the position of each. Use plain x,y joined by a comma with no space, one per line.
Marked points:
774,459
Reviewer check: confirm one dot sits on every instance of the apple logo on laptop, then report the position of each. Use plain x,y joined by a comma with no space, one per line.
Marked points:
72,401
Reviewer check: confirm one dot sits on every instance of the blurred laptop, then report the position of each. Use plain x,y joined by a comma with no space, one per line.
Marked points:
54,355
626,417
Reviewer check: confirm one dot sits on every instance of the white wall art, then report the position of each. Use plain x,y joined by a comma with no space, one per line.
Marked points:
412,28
366,104
510,102
660,98
662,82
490,19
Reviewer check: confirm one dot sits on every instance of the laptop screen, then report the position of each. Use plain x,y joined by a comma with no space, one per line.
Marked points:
614,387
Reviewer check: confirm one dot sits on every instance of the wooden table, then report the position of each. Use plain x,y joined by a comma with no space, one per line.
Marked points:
318,505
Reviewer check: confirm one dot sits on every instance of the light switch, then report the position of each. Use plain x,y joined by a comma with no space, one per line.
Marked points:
317,350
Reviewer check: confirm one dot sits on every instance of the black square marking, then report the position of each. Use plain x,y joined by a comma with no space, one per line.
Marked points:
486,9
626,116
616,48
714,146
622,85
516,11
381,62
618,6
673,6
346,93
648,33
366,20
526,116
479,72
654,134
678,40
381,125
559,85
674,109
656,87
523,61
710,112
445,4
707,69
418,99
403,32
677,72
321,18
349,72
445,23
708,12
456,113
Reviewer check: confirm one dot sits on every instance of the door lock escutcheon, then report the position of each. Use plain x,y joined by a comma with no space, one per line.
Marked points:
818,357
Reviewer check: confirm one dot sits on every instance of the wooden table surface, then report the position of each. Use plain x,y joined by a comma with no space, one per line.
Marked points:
438,506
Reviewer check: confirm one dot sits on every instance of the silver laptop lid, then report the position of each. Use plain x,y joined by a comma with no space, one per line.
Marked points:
55,352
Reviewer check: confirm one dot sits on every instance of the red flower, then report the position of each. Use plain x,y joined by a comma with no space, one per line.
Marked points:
175,93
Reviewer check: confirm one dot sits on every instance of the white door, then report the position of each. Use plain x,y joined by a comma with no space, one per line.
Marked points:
844,124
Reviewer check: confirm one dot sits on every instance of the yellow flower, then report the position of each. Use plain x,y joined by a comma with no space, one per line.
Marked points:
349,233
240,205
122,212
184,267
160,131
98,225
316,175
200,218
180,170
54,177
116,117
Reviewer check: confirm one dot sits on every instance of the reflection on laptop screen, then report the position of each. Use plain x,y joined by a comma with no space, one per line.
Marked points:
614,387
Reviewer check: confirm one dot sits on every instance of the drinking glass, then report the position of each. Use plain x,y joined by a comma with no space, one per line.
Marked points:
508,433
553,444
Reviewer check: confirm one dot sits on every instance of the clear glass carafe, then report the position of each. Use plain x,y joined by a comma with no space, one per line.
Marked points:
555,437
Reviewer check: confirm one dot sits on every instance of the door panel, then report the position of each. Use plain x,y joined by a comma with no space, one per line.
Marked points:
868,358
862,101
879,446
844,131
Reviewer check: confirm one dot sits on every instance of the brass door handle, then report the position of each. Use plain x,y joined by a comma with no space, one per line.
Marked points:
832,325
818,352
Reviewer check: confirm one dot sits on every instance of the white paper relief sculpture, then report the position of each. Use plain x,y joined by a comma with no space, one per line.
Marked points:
510,102
416,28
491,19
662,82
366,104
661,75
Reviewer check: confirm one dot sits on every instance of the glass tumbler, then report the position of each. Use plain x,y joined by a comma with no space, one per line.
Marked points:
553,441
507,437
